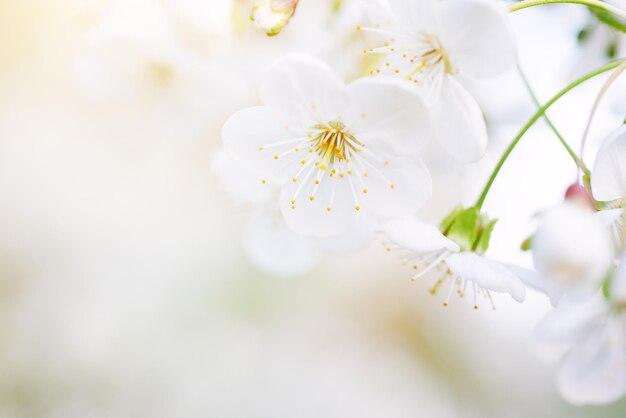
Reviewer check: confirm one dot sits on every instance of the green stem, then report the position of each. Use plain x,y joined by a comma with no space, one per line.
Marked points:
578,161
534,119
596,4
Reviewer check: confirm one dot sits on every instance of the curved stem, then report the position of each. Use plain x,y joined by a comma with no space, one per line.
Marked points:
596,104
596,4
534,119
578,161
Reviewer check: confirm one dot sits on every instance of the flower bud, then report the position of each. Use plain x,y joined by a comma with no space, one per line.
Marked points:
577,193
273,15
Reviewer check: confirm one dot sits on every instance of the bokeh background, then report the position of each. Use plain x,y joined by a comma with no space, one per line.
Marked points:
125,290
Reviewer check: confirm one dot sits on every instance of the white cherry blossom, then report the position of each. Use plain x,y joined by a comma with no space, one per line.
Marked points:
433,44
456,270
339,152
590,340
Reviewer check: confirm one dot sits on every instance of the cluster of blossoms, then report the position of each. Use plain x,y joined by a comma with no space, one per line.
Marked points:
327,165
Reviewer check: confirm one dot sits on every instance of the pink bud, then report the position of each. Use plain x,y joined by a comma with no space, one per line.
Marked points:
577,193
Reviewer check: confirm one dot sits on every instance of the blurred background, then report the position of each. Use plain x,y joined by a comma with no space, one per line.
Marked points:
127,288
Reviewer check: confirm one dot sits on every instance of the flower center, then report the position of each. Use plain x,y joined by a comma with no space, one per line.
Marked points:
333,143
160,74
329,156
416,58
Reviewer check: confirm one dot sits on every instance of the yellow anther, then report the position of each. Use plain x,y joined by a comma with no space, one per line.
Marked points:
276,157
358,208
295,180
329,209
317,182
312,198
260,148
392,186
264,181
365,191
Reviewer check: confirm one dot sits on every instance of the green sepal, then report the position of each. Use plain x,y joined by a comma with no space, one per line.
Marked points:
610,20
527,245
464,228
445,225
484,235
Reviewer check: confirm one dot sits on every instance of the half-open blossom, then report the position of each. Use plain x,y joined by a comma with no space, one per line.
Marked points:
456,260
273,15
571,251
608,181
432,43
338,151
590,339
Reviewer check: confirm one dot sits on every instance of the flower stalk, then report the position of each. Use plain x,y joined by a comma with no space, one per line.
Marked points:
538,115
594,4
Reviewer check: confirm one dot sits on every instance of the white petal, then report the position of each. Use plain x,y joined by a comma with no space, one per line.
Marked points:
567,326
595,371
618,283
487,274
608,178
459,123
609,217
237,180
248,130
418,237
275,249
356,238
478,37
311,217
388,111
397,189
420,16
304,88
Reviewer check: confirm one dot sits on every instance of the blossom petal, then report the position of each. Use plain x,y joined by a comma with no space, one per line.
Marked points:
567,326
608,178
420,16
274,248
247,135
237,180
388,111
459,123
397,189
487,274
304,88
311,216
356,238
478,37
595,371
618,283
419,237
